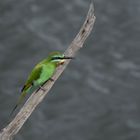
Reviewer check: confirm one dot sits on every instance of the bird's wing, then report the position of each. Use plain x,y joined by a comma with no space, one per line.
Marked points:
34,75
40,74
46,72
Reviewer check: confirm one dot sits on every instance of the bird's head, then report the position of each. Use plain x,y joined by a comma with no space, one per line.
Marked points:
58,58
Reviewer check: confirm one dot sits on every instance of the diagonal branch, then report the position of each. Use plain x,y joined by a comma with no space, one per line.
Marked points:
15,125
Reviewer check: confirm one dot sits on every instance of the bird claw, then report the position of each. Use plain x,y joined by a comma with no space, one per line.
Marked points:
41,89
51,79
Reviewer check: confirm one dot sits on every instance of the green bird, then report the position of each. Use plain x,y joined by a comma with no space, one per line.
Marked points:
40,74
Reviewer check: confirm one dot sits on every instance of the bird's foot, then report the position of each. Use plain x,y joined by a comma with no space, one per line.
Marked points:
51,79
40,87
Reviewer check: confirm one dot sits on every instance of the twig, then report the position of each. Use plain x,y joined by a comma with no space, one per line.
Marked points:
15,125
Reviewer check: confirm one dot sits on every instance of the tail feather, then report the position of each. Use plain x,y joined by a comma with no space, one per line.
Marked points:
22,96
13,110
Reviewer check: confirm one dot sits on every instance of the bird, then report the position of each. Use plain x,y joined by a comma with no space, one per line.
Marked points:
40,74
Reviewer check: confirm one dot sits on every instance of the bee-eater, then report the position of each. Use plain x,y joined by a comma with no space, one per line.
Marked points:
40,74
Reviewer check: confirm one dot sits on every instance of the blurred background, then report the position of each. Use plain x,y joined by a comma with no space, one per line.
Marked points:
98,95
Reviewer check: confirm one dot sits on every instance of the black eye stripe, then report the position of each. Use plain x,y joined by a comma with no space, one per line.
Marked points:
55,58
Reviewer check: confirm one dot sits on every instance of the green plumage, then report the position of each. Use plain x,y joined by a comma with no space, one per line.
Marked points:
41,73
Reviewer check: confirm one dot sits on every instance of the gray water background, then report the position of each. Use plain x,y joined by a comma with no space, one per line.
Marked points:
98,96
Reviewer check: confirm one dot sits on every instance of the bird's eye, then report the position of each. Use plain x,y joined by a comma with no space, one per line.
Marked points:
53,58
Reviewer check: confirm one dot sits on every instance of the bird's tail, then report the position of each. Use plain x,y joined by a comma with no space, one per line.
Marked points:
22,96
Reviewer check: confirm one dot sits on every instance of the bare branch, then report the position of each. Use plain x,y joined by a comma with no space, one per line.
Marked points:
15,125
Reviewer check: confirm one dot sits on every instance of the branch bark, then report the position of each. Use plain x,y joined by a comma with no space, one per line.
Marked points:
15,125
